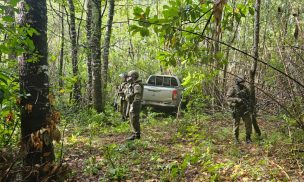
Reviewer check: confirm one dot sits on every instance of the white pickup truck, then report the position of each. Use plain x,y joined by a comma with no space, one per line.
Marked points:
162,90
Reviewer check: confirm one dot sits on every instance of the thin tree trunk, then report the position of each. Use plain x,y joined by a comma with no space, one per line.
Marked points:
74,46
61,52
218,13
255,63
228,51
89,52
107,46
131,48
34,81
9,11
96,55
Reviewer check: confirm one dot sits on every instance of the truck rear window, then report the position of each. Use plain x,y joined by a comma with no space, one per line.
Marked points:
162,81
159,81
174,82
151,81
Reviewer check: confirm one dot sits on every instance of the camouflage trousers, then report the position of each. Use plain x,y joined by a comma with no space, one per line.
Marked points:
123,109
236,125
134,117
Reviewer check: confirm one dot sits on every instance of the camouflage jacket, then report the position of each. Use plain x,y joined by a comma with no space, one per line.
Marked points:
121,90
135,91
238,98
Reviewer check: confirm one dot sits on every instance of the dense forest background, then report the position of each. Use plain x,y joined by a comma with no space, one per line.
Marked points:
60,63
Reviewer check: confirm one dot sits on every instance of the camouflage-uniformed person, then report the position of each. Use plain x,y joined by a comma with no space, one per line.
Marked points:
134,96
239,101
121,94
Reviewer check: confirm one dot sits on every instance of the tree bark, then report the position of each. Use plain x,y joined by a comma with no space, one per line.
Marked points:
96,55
255,63
107,45
89,52
74,46
34,86
228,50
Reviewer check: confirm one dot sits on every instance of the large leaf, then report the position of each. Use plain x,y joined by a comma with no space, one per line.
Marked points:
8,19
144,32
134,29
138,12
3,78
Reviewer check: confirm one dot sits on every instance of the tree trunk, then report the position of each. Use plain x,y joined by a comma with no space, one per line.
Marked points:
228,50
9,11
218,9
89,52
96,55
34,86
74,46
255,63
61,52
107,46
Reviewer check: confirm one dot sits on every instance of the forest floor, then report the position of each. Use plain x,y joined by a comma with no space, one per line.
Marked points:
192,148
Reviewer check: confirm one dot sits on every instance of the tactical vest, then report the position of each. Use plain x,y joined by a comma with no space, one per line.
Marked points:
123,86
244,95
138,82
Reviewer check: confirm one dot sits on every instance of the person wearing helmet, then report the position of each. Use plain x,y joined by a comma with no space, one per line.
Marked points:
238,98
134,96
121,95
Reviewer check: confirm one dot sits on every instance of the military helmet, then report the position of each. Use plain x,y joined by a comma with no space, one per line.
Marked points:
239,79
134,74
123,75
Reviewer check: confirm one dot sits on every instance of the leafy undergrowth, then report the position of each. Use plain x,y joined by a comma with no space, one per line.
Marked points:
192,148
195,147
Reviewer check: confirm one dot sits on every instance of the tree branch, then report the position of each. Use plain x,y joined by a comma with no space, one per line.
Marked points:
226,44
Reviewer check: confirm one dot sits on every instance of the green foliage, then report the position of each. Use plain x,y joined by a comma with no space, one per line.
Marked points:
170,40
92,166
115,170
117,174
198,146
182,40
9,112
193,81
175,170
295,133
93,119
142,20
16,40
236,14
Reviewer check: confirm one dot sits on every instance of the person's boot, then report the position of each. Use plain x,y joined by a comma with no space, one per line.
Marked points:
236,141
259,133
137,136
248,140
134,136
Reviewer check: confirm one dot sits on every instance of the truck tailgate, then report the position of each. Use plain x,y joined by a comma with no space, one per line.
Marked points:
160,94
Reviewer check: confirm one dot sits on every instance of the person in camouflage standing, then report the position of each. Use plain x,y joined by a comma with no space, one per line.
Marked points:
134,96
238,98
121,93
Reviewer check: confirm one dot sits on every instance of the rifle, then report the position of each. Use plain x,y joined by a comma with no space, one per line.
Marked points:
115,105
127,110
